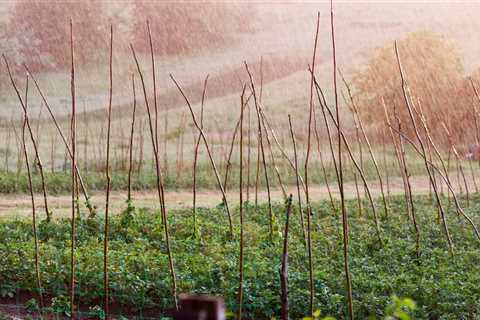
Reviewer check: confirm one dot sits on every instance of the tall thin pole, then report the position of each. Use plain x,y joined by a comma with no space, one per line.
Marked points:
73,129
240,288
107,174
307,195
130,150
341,189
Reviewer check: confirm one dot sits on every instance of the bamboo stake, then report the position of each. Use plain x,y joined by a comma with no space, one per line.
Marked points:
152,57
477,131
34,214
409,187
92,209
141,139
230,152
284,268
249,143
341,187
107,174
7,151
240,288
297,175
349,151
160,186
360,150
19,147
212,161
279,146
257,174
260,137
457,157
477,141
307,157
410,112
85,146
447,183
369,146
32,138
73,130
130,149
272,156
195,159
401,163
322,162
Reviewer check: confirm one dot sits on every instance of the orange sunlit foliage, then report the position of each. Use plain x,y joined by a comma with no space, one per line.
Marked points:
435,76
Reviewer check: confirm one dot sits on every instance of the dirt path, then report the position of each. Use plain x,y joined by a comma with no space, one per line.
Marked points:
19,205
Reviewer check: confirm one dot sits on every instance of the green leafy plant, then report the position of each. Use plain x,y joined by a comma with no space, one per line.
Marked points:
61,304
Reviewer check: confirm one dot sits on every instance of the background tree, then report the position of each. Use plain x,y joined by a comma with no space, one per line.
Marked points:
38,32
185,27
435,75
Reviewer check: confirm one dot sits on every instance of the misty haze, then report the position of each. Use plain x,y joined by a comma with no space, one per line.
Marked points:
239,159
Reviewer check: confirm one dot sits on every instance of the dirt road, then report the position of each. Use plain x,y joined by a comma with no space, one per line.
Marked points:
19,205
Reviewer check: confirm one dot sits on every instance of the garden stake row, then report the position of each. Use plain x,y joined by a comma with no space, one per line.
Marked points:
160,186
32,138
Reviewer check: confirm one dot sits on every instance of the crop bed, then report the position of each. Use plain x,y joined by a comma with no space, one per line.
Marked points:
443,286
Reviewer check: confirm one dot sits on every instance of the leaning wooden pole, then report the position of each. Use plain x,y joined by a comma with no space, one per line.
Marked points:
427,167
195,159
409,186
272,156
32,138
324,108
228,160
447,182
402,163
32,198
262,149
297,175
109,181
73,135
341,187
284,267
457,158
130,149
307,158
160,186
91,208
154,82
212,161
322,162
240,286
369,146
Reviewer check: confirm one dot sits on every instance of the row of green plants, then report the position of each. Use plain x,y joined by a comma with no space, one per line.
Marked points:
443,286
60,182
